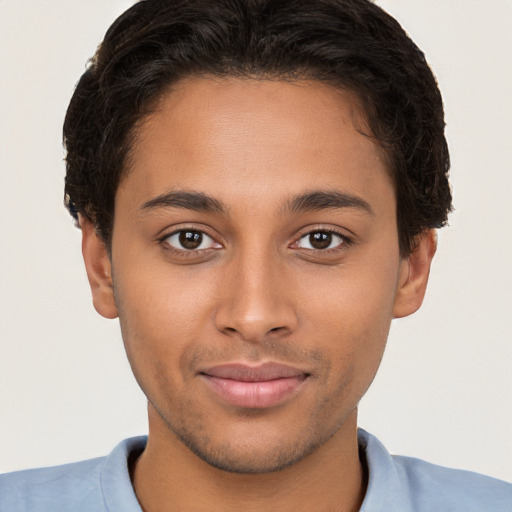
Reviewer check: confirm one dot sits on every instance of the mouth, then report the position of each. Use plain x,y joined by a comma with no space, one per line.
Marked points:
255,387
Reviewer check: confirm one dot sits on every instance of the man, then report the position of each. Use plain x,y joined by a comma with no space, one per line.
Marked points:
258,185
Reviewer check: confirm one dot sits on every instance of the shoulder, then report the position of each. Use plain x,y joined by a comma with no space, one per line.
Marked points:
408,484
48,489
453,489
94,485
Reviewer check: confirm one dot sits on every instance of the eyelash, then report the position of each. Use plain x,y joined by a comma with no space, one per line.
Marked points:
184,252
345,240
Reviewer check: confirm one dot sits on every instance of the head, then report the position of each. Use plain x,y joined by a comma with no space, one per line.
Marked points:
351,44
257,182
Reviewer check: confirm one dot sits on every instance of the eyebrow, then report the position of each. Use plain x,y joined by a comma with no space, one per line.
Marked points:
312,201
196,201
323,200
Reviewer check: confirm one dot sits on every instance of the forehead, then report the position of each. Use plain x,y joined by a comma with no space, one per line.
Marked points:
237,138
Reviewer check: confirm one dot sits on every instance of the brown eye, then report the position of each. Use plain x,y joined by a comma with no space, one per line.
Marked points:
190,240
320,240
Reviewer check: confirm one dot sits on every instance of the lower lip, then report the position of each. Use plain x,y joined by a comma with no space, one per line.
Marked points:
255,395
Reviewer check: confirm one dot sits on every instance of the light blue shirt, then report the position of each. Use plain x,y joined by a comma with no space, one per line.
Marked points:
396,484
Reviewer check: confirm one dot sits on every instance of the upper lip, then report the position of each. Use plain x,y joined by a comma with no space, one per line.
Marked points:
248,373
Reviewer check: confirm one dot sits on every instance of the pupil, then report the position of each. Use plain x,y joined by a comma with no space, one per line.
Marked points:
191,239
320,240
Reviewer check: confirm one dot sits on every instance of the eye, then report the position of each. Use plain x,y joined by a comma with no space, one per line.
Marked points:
320,240
190,240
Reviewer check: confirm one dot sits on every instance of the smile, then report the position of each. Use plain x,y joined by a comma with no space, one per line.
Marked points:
254,387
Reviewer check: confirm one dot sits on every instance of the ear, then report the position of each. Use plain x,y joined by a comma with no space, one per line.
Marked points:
99,270
413,278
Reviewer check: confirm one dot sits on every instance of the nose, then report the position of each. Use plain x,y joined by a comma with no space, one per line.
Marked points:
256,299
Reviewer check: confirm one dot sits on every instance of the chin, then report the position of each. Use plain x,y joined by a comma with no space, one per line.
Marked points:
258,456
251,460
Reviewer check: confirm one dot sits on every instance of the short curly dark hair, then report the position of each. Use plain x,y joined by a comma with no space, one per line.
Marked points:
352,44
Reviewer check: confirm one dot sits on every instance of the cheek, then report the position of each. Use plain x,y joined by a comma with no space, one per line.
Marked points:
161,299
350,314
354,298
161,316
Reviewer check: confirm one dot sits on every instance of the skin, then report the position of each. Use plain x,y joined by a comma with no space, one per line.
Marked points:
256,290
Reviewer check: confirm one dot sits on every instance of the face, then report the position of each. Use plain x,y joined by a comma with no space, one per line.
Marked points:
255,267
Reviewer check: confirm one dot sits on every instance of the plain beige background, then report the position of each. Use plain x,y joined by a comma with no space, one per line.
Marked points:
444,392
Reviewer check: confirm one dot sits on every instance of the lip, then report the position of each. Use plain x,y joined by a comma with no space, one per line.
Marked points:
255,387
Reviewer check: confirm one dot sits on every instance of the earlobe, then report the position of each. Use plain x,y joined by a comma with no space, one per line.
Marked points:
414,272
99,270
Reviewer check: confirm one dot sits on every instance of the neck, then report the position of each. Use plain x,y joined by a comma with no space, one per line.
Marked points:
169,477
